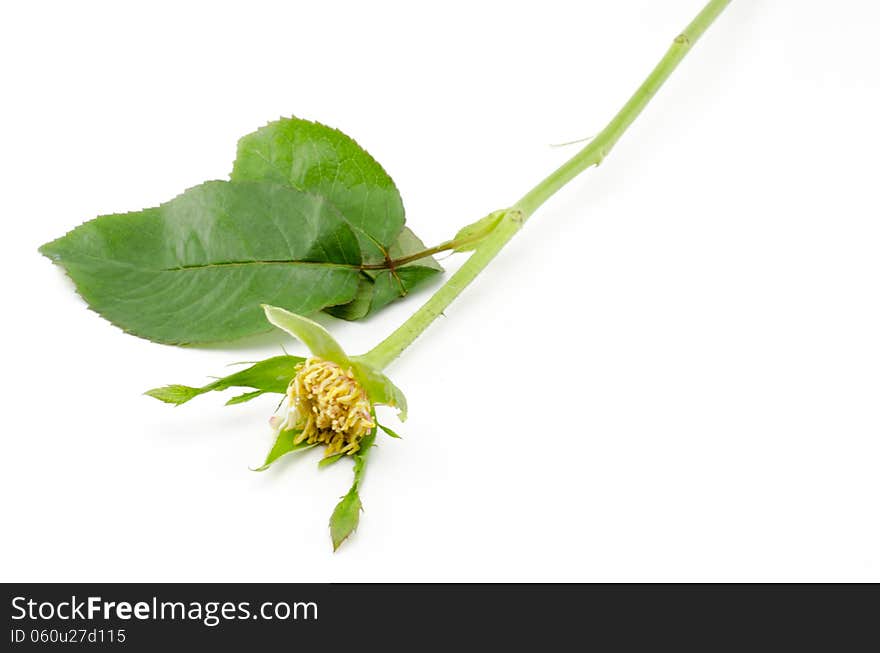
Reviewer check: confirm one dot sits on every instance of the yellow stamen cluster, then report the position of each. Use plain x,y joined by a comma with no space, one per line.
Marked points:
330,407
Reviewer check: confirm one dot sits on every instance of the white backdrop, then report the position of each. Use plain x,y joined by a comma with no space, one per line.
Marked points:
670,374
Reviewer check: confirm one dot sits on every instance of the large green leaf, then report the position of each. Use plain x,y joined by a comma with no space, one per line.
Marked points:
319,159
322,160
197,268
270,375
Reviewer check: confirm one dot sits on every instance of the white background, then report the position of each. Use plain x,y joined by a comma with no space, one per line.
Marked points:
671,374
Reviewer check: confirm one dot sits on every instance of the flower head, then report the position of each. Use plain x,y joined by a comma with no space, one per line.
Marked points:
327,405
331,397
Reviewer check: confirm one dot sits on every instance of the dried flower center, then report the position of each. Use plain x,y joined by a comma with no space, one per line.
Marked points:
329,405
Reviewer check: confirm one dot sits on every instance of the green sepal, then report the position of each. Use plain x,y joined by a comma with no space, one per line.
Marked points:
313,335
345,518
388,431
379,387
176,394
329,460
247,396
283,446
346,515
270,375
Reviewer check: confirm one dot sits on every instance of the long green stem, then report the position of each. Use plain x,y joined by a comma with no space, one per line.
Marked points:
592,154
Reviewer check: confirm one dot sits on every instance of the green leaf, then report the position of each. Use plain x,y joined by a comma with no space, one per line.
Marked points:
270,375
391,284
313,335
408,243
388,285
283,446
197,268
329,460
346,516
359,307
389,431
319,159
377,288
